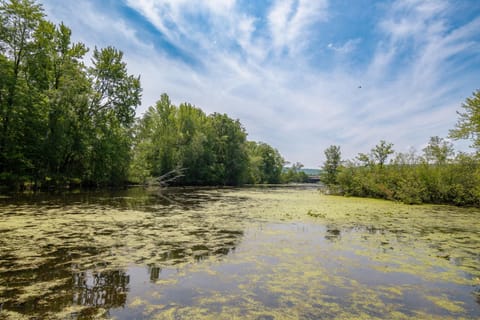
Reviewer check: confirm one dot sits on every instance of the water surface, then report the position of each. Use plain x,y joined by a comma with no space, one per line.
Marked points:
259,253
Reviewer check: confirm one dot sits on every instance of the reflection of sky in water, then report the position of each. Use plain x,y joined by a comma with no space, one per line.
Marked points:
240,253
291,269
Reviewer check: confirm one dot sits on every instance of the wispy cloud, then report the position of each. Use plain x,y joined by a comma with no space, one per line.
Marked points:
346,47
289,20
267,67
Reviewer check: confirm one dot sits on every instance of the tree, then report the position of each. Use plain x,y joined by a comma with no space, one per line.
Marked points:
193,153
228,145
265,163
381,152
330,167
210,150
61,74
21,107
295,173
364,159
115,96
438,150
115,91
468,124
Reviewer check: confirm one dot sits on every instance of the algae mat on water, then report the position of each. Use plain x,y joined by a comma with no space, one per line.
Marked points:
257,253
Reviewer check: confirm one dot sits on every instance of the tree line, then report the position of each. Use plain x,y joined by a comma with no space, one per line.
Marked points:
63,123
205,149
437,175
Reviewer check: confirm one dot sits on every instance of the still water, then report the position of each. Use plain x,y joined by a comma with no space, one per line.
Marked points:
256,253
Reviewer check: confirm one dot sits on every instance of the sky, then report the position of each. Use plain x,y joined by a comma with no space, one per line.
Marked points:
300,75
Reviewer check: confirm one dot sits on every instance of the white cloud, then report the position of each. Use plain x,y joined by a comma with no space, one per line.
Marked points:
289,19
345,48
414,19
407,91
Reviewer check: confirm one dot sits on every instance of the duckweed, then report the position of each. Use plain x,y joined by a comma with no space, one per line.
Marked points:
266,253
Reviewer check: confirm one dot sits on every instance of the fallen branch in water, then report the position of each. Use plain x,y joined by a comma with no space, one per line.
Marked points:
170,176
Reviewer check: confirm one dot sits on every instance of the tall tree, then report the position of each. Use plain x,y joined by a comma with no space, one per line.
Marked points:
468,124
438,150
61,73
116,94
381,152
115,91
211,150
265,163
333,158
18,99
230,161
192,144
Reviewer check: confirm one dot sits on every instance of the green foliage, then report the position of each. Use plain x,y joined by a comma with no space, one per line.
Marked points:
381,152
230,158
438,177
468,124
265,163
64,123
295,174
377,156
59,122
211,150
438,150
416,181
114,90
22,105
330,169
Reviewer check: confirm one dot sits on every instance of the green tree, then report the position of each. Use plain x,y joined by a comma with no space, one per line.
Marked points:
60,72
159,137
333,158
265,163
211,150
381,152
192,143
22,109
228,145
438,150
295,174
468,124
115,96
364,159
115,91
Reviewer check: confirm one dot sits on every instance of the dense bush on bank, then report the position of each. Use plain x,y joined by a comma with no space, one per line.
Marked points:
436,176
455,183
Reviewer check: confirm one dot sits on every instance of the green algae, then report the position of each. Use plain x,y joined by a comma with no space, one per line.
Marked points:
446,303
238,254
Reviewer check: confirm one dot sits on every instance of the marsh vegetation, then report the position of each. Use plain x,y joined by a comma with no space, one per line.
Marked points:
257,253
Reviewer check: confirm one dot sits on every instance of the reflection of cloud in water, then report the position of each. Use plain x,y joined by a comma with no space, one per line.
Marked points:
74,250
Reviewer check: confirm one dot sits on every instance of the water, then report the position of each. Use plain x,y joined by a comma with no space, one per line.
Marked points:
258,253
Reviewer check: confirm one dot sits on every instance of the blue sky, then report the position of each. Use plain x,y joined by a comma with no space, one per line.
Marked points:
290,70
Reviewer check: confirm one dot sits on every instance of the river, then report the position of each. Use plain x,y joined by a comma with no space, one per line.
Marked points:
246,253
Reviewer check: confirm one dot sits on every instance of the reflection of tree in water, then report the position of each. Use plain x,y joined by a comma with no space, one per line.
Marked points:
139,198
199,252
333,233
46,289
70,268
106,289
